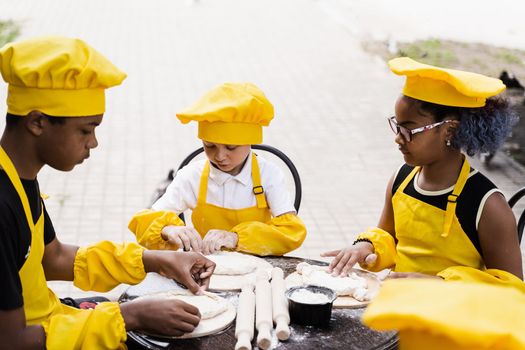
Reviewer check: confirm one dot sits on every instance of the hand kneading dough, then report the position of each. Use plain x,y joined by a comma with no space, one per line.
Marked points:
352,285
233,270
216,312
209,304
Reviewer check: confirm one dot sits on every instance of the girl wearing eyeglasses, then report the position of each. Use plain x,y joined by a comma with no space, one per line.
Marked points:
441,217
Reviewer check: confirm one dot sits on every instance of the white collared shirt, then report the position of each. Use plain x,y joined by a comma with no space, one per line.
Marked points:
225,190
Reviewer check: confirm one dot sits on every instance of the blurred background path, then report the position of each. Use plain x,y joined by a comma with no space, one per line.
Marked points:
331,98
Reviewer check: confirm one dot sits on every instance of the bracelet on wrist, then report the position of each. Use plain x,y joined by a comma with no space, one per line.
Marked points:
362,240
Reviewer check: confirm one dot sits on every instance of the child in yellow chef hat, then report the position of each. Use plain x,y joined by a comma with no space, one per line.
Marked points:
434,315
55,102
439,213
238,200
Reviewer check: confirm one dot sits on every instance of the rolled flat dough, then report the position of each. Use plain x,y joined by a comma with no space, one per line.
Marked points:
232,263
353,292
228,274
216,312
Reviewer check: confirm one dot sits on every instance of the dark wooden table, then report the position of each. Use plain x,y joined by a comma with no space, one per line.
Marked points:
345,331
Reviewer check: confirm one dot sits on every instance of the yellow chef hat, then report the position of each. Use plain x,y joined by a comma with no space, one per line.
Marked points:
58,76
231,114
445,86
432,314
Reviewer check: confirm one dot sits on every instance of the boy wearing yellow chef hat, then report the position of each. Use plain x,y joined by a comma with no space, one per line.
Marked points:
55,102
238,200
434,315
439,213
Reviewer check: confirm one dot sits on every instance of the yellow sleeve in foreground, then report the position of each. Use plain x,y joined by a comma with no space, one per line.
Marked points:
384,248
490,276
104,265
279,236
433,314
100,328
147,226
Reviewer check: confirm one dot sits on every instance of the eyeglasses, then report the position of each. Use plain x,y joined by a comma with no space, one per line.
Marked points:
407,133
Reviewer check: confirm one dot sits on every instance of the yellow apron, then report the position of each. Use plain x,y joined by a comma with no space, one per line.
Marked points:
39,301
430,239
65,327
207,216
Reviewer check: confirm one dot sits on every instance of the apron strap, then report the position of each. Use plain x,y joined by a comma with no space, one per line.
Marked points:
258,190
453,197
408,178
11,172
203,187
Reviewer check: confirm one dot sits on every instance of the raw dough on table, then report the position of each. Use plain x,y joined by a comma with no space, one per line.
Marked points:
216,312
354,291
234,270
209,304
318,276
232,263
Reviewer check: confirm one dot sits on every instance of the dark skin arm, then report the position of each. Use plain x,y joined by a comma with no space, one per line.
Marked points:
498,236
58,261
14,334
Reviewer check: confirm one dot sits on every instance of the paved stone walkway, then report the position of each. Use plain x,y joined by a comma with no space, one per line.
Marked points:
331,101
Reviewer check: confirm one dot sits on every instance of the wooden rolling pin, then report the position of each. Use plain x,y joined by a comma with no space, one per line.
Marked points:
245,319
281,315
263,307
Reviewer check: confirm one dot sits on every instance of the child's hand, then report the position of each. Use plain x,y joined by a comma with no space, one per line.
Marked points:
184,237
160,316
345,259
191,269
216,239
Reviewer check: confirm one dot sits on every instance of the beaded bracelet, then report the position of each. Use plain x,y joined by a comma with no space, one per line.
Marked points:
362,240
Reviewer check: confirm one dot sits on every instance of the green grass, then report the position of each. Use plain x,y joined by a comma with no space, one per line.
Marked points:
473,57
509,57
430,51
9,30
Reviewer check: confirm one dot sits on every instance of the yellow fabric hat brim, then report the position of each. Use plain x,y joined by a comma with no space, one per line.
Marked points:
469,315
445,86
57,103
230,133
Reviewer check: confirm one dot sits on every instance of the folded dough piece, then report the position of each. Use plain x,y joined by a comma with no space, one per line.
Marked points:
353,285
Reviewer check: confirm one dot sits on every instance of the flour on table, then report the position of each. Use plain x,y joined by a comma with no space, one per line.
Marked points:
231,263
305,296
209,304
353,285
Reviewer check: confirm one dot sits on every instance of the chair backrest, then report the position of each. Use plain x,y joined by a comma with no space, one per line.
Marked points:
286,160
521,217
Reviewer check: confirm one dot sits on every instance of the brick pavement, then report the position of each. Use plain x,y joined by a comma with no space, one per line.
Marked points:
331,100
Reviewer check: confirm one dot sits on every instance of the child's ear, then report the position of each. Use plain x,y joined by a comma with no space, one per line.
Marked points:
35,123
451,128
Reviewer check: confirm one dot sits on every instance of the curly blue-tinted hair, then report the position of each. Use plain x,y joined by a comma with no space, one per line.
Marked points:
482,129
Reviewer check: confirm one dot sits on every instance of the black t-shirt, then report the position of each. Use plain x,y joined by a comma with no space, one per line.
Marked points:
15,237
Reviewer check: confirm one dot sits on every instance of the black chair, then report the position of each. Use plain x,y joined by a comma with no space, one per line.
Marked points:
293,170
521,217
